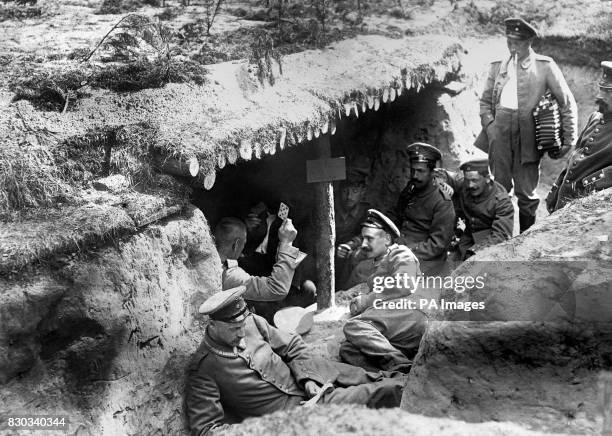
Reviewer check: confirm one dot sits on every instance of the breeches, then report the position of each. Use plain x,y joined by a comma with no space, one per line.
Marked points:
385,336
354,385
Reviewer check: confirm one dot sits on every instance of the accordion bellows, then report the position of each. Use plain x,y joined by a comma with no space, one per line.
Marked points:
548,128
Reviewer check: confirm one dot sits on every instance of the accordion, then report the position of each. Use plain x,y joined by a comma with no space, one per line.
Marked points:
548,128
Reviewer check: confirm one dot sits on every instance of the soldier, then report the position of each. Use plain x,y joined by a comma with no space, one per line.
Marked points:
425,212
244,367
350,212
514,87
589,168
377,337
230,239
353,207
484,205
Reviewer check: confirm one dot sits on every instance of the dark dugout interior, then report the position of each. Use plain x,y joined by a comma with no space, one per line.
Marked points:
374,140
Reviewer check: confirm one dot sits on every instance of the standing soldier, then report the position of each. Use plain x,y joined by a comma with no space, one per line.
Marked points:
425,212
484,204
514,87
589,168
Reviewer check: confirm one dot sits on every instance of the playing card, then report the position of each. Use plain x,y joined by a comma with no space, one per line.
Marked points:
283,211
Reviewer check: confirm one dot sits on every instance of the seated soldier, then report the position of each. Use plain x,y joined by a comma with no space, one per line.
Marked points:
244,367
378,337
425,212
259,254
350,212
230,238
589,167
483,204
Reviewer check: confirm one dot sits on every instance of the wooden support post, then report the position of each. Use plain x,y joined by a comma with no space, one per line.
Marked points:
326,226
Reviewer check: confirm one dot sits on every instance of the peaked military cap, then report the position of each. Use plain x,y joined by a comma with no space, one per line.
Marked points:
606,78
479,164
356,176
378,220
518,28
421,152
227,306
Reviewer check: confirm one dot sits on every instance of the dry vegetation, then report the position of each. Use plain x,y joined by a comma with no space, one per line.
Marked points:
160,42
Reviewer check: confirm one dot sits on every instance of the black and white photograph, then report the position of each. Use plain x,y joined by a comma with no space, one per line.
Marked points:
305,217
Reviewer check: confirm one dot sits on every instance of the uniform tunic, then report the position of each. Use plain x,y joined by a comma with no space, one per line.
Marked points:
348,222
272,288
535,74
268,375
388,336
589,168
426,220
489,217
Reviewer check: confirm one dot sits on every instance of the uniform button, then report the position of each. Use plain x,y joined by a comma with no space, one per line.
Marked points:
597,130
568,181
591,139
575,163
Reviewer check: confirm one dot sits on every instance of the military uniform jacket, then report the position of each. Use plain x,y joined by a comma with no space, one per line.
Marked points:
398,259
589,167
348,223
426,220
535,74
403,328
272,288
264,377
489,218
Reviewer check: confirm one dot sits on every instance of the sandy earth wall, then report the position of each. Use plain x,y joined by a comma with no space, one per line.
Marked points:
534,354
105,339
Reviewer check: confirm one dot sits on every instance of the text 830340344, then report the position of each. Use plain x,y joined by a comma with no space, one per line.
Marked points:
33,422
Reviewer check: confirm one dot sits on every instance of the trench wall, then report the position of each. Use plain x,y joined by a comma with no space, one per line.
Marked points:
104,336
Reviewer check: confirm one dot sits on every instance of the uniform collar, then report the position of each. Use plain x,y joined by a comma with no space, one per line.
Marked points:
230,263
525,63
432,186
354,212
529,59
217,349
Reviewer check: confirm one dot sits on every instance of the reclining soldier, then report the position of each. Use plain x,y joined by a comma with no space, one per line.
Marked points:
378,337
244,367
